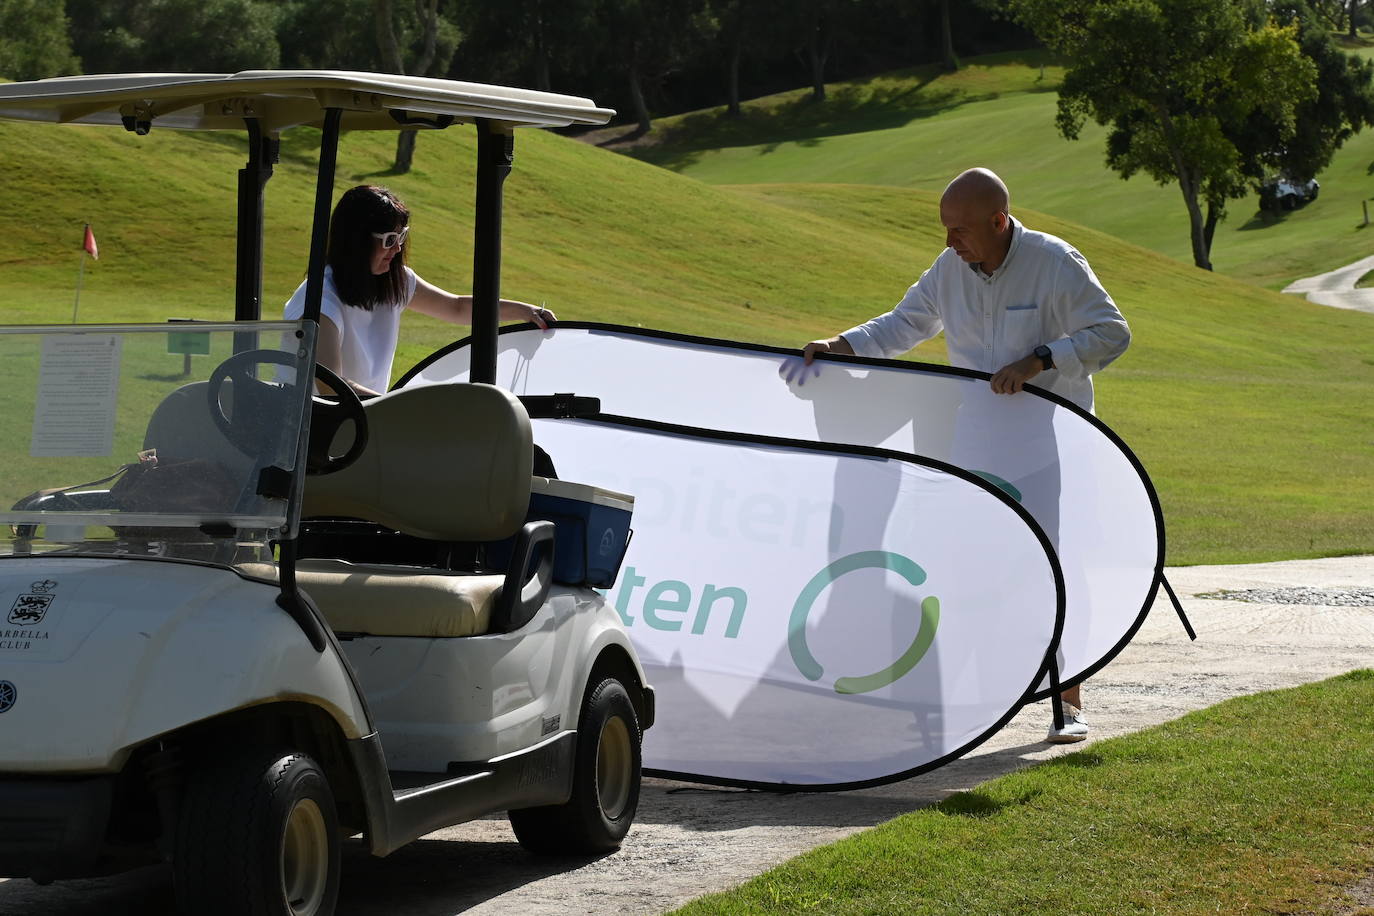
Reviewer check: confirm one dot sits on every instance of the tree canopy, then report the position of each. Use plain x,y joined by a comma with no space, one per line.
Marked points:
1215,95
34,41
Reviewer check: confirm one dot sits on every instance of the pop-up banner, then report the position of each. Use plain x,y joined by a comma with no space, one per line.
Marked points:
813,617
1082,484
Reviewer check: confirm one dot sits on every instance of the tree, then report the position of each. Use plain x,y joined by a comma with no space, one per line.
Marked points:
525,40
1343,105
328,35
745,27
33,40
818,20
197,36
646,40
951,60
428,41
1175,80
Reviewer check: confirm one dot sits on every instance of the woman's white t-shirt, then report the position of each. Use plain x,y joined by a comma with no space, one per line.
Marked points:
367,339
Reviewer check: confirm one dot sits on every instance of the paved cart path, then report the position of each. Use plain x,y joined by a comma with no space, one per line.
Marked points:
1337,287
1298,622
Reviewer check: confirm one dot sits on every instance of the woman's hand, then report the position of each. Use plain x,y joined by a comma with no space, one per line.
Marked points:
538,314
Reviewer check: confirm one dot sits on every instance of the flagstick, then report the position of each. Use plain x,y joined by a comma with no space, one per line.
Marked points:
81,272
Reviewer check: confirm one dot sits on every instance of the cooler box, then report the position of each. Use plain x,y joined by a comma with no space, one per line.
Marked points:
591,530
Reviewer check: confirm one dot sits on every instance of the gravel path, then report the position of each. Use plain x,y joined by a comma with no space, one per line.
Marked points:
1260,627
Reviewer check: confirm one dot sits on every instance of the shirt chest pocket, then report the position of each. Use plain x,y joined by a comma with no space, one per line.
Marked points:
1021,331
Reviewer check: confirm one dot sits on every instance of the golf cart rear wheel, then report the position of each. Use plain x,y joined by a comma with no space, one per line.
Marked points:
606,778
258,833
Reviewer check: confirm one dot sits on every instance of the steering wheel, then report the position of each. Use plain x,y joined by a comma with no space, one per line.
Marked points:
326,416
253,412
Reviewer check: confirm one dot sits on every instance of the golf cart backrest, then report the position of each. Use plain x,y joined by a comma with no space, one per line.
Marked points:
444,462
181,428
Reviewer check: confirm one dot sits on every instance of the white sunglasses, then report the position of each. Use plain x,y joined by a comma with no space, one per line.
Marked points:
392,239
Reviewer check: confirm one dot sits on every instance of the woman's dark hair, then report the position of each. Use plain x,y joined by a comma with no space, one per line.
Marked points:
360,212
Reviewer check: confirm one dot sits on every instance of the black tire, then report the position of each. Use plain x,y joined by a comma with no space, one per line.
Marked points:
258,833
1288,202
606,779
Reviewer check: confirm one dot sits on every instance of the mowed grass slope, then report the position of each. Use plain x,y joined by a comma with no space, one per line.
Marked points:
1251,410
919,128
1227,810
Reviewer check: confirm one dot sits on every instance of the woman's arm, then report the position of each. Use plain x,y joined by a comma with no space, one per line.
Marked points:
329,353
438,303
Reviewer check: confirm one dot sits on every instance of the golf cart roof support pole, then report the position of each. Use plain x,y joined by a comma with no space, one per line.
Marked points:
253,177
324,198
495,153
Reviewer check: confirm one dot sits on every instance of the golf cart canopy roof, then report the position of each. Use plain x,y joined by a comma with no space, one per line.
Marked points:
280,99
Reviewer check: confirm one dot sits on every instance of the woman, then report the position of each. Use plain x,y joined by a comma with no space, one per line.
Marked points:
367,285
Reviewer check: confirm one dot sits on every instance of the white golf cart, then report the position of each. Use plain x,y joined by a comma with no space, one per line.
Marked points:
244,622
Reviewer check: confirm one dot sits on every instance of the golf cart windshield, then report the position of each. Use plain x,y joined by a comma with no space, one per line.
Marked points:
178,440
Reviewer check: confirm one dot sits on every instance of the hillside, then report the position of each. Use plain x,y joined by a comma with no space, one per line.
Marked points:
1250,409
919,128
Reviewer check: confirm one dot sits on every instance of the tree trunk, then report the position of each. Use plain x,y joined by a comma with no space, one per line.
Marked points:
428,11
637,100
1209,229
386,36
405,152
1197,232
817,51
1191,186
951,60
732,75
541,71
541,52
1354,6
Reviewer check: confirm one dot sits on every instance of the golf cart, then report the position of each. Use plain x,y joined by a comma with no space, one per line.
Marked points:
1284,193
244,621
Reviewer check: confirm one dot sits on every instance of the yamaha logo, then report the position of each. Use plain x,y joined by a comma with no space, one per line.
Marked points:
8,694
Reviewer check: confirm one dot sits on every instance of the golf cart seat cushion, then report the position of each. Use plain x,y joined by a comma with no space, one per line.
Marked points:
399,600
445,462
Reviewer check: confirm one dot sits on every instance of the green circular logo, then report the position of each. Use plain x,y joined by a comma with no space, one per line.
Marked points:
866,559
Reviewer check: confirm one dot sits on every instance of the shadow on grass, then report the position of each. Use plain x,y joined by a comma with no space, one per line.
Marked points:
1265,219
299,146
977,804
172,377
889,101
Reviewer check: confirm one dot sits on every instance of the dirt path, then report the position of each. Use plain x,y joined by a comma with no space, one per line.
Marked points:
690,840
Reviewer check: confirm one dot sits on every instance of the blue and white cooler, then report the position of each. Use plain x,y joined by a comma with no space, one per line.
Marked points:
591,529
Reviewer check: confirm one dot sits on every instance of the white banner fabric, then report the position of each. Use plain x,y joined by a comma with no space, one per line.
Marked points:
1075,477
813,618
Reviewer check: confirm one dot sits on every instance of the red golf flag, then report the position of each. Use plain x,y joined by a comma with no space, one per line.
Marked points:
89,243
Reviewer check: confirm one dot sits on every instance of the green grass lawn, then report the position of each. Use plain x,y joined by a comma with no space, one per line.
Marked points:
1251,410
919,128
1227,810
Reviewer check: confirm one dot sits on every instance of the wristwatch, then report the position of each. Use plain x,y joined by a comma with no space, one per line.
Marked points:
1046,357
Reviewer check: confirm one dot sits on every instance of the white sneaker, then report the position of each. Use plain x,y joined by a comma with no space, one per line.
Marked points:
1075,727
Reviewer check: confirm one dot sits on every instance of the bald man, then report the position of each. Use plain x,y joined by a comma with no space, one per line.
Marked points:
1018,304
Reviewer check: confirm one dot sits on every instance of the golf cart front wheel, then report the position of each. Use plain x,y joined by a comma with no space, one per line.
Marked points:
259,834
606,779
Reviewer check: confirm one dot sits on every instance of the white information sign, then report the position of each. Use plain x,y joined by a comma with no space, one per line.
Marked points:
78,383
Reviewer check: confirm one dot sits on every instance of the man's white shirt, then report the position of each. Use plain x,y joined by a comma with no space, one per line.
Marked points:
1044,292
